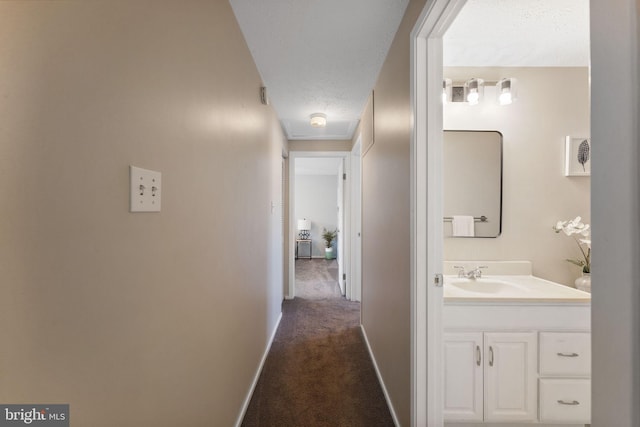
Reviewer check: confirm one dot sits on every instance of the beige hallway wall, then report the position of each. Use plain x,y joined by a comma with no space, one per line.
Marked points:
134,319
385,219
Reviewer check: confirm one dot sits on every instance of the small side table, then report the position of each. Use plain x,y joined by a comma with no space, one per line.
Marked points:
298,241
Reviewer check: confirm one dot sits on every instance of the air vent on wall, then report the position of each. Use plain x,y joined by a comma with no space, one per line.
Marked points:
264,98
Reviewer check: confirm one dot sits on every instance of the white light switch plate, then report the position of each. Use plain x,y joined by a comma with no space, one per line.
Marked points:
145,190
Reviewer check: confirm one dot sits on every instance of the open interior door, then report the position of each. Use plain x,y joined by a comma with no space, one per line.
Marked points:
340,244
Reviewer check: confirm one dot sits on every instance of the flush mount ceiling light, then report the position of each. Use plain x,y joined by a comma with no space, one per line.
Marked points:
318,120
473,90
506,91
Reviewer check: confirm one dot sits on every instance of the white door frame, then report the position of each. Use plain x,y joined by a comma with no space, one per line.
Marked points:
614,34
426,211
293,155
354,290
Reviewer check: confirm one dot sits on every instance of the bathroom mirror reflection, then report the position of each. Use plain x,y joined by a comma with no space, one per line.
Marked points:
472,183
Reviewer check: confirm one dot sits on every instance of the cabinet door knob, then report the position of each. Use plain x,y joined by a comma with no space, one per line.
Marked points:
568,354
572,403
490,355
478,356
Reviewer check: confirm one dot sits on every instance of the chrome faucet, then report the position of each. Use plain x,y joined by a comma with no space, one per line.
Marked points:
476,273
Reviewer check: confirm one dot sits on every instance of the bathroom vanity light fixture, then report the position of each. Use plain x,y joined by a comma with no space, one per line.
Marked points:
473,90
506,91
318,120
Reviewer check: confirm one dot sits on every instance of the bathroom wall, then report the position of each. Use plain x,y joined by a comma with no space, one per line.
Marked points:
552,103
317,200
146,319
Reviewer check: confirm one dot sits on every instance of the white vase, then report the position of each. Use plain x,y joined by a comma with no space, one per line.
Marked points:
328,253
584,282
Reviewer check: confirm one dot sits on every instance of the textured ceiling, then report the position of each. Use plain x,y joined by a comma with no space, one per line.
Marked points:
324,56
519,33
319,57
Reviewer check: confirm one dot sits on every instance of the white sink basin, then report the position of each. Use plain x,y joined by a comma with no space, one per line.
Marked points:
484,285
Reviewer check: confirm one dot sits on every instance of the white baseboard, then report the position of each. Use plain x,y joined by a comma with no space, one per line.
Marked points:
247,399
384,388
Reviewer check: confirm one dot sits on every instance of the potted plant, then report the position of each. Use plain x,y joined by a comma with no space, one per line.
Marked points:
329,237
573,228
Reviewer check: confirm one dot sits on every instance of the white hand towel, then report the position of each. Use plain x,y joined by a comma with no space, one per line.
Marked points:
463,226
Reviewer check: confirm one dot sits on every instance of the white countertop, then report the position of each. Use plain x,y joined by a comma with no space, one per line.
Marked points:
510,288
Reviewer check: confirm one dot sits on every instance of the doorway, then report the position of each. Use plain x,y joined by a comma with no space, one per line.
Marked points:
427,196
335,166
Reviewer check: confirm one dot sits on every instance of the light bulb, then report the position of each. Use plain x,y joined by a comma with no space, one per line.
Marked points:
506,91
505,98
473,90
473,97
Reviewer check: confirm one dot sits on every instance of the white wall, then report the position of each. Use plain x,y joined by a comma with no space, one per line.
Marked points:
316,198
552,103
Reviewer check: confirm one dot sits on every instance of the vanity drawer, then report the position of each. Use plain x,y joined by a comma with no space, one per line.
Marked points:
565,354
563,400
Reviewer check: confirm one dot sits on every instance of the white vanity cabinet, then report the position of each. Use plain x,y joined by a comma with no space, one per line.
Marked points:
490,377
516,349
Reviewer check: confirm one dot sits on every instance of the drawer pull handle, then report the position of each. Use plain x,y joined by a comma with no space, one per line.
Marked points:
572,403
490,356
478,356
568,354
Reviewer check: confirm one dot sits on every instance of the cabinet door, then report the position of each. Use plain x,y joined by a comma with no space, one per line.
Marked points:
510,386
463,376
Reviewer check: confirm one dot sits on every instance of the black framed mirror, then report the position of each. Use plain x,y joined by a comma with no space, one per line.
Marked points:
472,182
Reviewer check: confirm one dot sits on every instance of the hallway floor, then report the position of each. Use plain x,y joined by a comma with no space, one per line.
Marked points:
318,371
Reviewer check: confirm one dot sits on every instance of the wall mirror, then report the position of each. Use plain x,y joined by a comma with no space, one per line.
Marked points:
473,181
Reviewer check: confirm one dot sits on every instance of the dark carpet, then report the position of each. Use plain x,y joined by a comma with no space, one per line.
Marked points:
318,371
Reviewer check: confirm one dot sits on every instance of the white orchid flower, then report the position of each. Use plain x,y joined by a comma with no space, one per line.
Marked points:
576,226
559,226
574,222
577,223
